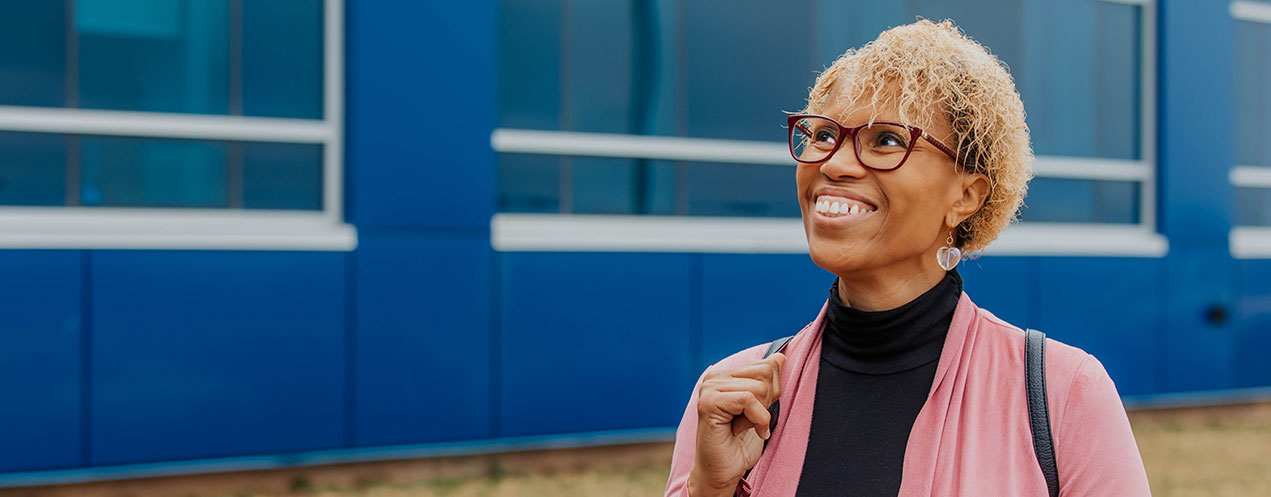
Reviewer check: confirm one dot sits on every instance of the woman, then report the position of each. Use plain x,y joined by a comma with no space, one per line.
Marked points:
912,150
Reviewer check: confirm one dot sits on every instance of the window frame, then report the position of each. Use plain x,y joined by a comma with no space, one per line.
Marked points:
511,232
1250,242
76,227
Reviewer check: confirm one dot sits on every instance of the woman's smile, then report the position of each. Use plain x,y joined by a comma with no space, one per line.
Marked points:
837,207
836,211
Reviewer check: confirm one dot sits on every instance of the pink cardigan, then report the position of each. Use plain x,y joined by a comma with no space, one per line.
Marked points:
971,437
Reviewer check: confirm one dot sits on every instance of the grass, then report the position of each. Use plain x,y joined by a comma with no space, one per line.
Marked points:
1222,451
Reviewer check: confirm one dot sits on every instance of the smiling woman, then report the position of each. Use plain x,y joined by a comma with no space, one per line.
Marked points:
912,149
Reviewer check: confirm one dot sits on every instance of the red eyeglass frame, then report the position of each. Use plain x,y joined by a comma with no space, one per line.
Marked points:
914,133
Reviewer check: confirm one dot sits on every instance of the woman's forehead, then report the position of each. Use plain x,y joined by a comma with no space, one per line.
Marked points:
882,104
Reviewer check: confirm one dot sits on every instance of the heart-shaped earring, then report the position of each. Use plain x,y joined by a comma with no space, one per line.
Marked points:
948,256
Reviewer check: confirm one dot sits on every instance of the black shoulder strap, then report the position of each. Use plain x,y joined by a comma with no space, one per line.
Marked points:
1038,411
775,408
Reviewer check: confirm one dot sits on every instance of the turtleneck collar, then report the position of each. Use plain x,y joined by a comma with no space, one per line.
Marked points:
890,341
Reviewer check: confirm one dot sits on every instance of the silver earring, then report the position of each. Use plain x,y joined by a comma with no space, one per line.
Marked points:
948,256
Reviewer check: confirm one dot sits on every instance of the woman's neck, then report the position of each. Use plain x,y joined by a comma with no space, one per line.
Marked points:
876,291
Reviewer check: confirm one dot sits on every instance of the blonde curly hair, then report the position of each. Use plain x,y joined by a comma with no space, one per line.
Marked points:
924,64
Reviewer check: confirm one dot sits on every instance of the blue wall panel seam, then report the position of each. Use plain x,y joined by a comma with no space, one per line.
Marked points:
86,363
350,350
496,343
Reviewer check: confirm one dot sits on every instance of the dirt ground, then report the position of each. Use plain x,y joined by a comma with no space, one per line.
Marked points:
1216,451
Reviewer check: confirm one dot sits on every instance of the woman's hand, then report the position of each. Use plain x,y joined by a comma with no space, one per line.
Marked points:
732,423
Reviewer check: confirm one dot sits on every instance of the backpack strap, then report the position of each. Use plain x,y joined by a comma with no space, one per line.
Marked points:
1038,411
775,409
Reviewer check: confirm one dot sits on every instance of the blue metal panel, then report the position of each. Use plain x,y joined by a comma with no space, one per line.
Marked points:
593,341
1195,191
1253,338
40,360
1003,285
421,102
751,299
206,354
1198,352
423,343
1109,307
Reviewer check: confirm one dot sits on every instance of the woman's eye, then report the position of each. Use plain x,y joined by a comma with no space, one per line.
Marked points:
890,140
824,136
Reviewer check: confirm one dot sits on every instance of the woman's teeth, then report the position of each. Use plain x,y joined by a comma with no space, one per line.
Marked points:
835,209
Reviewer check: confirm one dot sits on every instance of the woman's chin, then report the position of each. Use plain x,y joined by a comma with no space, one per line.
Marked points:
838,258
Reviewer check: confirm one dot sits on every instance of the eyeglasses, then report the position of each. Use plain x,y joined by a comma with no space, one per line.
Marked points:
882,146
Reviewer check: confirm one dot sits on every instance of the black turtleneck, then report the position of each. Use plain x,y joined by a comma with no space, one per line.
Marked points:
875,374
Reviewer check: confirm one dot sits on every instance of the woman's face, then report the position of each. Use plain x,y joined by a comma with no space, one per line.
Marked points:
902,213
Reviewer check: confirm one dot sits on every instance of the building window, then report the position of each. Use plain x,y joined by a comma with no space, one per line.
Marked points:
1251,174
178,111
668,110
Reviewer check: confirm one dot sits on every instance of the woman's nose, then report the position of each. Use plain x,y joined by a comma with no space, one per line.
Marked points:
843,164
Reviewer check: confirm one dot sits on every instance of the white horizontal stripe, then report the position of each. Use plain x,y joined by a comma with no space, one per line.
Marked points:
1251,11
1141,3
595,233
587,233
109,228
1090,168
1251,176
526,141
1249,242
164,125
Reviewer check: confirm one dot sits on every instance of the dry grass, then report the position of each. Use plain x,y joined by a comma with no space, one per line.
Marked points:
1223,451
1212,452
1217,451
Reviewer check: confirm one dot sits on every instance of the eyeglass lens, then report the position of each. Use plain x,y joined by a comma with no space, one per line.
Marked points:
879,146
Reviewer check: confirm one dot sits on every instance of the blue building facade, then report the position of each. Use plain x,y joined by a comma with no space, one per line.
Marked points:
243,234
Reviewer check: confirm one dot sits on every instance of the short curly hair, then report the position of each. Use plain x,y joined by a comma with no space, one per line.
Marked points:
922,64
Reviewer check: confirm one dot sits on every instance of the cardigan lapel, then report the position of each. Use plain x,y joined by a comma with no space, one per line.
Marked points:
941,411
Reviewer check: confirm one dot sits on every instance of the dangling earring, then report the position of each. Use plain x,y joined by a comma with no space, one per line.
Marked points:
948,256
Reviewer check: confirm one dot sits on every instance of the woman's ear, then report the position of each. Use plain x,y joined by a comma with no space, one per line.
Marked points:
975,191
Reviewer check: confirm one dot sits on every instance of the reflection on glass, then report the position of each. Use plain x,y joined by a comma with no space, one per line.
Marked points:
1253,207
1065,200
154,55
32,169
748,190
282,58
136,172
33,54
282,176
529,183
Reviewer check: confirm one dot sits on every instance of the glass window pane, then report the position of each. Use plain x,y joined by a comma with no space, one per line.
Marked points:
1253,82
599,83
750,190
622,186
1253,206
154,55
745,64
137,172
282,176
529,183
282,58
1065,200
33,53
32,169
529,64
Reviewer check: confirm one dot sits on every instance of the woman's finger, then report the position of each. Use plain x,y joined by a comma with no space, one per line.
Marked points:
749,413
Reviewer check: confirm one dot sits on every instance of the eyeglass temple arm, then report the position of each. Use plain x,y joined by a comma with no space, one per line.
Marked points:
952,155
